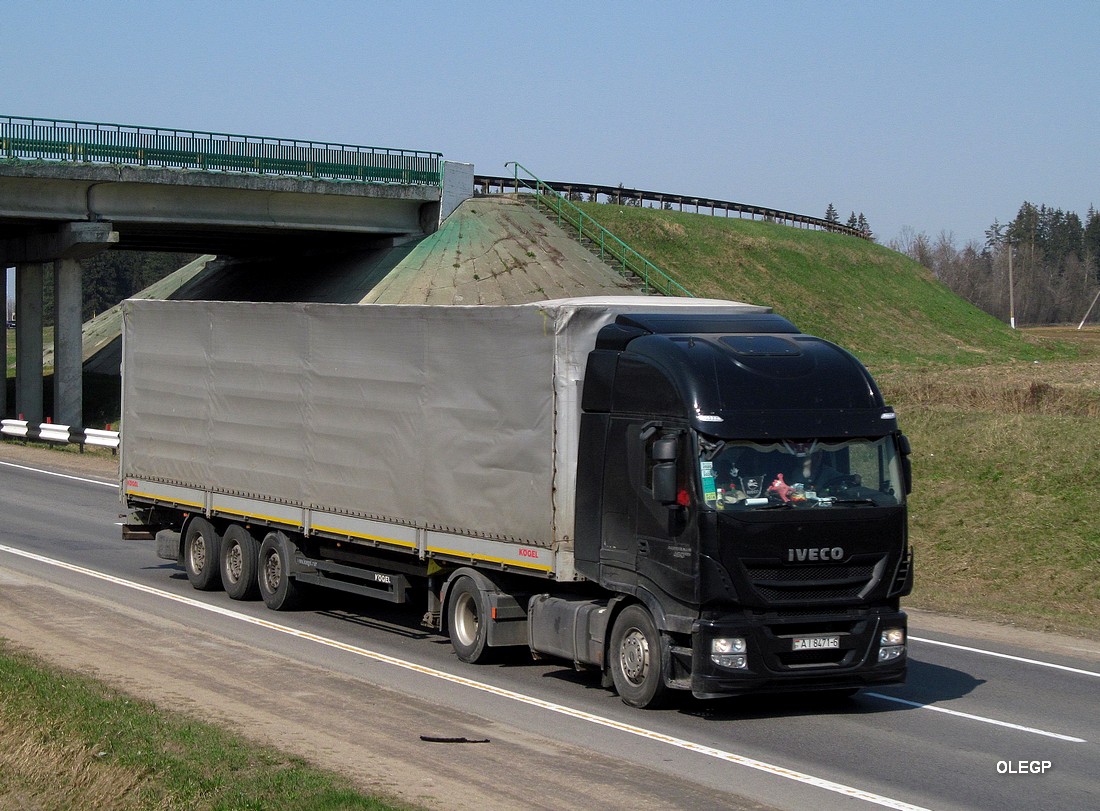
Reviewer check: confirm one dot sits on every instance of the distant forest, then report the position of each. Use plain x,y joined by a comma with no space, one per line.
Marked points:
1055,264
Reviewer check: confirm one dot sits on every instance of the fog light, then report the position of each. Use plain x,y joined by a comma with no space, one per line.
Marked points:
732,661
888,654
733,644
892,636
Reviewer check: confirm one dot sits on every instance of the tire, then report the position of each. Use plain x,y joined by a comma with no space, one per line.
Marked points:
635,659
237,563
278,589
200,554
467,621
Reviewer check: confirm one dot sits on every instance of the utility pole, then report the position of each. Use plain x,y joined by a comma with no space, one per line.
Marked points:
1011,296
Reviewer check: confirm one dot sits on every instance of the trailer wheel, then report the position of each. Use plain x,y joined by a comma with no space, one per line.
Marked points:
200,554
467,621
278,589
635,658
239,555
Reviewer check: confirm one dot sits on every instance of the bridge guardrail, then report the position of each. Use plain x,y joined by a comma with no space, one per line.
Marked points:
61,434
91,142
621,194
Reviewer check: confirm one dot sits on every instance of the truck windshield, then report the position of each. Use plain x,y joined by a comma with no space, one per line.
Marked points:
802,474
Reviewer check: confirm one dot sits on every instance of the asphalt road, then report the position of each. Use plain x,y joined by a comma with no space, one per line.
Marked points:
991,718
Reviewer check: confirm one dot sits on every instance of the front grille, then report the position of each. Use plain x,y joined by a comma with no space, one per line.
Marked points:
778,584
793,574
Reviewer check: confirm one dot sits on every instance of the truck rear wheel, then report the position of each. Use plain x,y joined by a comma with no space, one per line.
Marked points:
277,587
200,554
635,658
239,555
468,621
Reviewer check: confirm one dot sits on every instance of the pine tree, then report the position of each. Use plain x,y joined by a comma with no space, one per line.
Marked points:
831,215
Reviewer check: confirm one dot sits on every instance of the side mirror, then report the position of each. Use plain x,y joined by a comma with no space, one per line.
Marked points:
664,483
906,463
663,453
664,449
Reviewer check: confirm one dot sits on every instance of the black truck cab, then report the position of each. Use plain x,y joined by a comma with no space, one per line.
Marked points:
745,485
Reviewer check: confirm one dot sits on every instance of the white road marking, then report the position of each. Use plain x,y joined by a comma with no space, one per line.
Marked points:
981,718
658,737
112,485
1004,656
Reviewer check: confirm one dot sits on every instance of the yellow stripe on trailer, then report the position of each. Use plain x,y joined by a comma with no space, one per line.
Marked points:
378,538
488,559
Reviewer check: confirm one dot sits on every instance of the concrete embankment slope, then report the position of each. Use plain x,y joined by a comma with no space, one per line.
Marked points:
497,250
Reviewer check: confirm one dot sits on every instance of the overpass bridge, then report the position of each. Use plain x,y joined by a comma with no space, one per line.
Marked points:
70,189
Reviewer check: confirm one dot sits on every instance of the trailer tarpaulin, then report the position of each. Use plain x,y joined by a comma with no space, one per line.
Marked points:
457,418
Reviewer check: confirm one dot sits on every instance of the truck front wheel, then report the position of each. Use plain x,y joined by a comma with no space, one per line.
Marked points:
200,554
468,621
635,658
277,587
239,554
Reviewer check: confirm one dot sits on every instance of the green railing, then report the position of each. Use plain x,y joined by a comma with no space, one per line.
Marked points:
610,248
83,141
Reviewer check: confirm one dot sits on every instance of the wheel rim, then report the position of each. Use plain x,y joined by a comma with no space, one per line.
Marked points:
234,562
465,619
273,572
634,656
197,553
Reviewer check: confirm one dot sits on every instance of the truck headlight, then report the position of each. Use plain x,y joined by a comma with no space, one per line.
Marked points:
892,636
727,644
729,652
891,644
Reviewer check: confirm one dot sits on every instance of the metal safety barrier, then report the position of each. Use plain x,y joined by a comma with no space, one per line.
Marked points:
620,195
61,434
90,142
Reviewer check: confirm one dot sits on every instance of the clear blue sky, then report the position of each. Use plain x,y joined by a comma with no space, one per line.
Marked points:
937,116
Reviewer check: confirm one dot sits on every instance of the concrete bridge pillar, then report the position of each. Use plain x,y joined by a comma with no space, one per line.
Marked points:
68,389
4,345
28,341
31,254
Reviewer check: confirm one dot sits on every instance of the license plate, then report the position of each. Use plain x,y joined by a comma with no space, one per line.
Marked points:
815,642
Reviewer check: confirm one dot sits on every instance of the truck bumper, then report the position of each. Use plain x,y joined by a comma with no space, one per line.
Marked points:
796,654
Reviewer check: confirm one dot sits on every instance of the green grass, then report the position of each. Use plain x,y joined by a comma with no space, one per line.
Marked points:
882,306
69,742
1004,516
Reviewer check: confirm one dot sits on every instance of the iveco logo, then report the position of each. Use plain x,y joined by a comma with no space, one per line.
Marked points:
815,554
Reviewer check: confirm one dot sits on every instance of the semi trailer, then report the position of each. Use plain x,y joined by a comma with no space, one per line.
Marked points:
678,494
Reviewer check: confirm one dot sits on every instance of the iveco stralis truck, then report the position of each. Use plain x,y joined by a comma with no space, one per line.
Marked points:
675,493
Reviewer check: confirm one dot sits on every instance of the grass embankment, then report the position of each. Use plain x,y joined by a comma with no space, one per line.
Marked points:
68,742
1004,424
